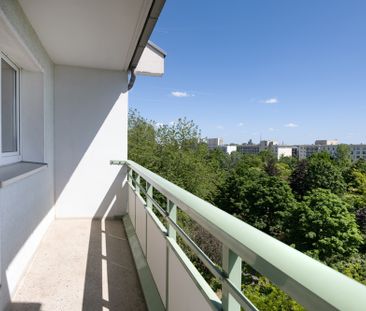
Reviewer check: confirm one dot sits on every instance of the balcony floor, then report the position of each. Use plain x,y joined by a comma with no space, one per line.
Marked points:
81,265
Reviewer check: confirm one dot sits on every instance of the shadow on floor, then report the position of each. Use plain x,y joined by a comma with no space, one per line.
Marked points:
111,280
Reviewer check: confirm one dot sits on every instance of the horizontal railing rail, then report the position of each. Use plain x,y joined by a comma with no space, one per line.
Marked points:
213,268
311,283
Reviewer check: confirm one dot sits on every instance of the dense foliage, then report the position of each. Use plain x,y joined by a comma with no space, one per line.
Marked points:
323,226
260,199
319,171
317,205
177,153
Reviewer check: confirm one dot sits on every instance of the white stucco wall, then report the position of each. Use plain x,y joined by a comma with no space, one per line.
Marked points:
75,120
91,110
283,152
26,205
32,116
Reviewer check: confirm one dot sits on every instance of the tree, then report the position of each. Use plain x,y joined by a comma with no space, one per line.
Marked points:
298,178
356,186
357,182
322,173
269,163
141,140
361,219
317,172
343,157
283,170
177,153
184,159
234,159
323,227
354,267
360,165
258,199
266,296
290,161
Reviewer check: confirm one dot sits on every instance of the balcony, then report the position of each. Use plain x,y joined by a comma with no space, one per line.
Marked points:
138,263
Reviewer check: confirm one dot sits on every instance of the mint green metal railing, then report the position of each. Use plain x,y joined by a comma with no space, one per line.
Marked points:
311,283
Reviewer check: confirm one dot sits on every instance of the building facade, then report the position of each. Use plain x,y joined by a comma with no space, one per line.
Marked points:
326,142
66,69
248,149
215,142
357,151
283,151
229,149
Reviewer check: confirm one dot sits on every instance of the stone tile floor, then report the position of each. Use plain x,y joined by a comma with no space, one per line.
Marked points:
81,265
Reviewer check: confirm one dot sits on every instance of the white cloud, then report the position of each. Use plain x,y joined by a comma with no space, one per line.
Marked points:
271,101
220,127
159,124
180,94
291,125
240,124
271,129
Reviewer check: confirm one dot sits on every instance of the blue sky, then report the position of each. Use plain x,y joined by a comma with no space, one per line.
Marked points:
290,70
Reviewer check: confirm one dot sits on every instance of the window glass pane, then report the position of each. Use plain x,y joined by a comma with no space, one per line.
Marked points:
8,108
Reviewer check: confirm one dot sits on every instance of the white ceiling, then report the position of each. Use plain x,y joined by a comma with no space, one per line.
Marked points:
88,33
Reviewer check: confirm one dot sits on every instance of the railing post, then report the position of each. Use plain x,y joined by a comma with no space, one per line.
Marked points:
137,186
129,178
149,205
149,191
231,264
172,211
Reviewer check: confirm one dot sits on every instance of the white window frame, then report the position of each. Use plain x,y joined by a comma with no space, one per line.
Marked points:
11,157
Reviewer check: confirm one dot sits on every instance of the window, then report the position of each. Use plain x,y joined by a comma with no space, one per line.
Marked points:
9,120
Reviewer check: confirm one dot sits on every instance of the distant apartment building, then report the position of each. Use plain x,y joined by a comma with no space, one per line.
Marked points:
214,143
283,151
326,142
229,149
267,144
306,151
248,149
257,148
358,151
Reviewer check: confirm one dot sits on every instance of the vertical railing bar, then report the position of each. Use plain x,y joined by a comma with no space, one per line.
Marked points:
232,266
137,187
149,205
130,182
149,192
137,180
129,176
172,214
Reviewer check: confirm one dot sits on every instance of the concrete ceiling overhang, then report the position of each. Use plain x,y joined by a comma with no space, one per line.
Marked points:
106,34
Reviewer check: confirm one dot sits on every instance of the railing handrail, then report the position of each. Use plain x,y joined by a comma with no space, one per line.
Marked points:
311,283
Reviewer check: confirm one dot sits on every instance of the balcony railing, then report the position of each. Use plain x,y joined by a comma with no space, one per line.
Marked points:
179,284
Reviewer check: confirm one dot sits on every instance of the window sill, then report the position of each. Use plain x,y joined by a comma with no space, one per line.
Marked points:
14,172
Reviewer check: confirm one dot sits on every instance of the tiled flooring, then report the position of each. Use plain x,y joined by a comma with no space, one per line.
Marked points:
81,265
